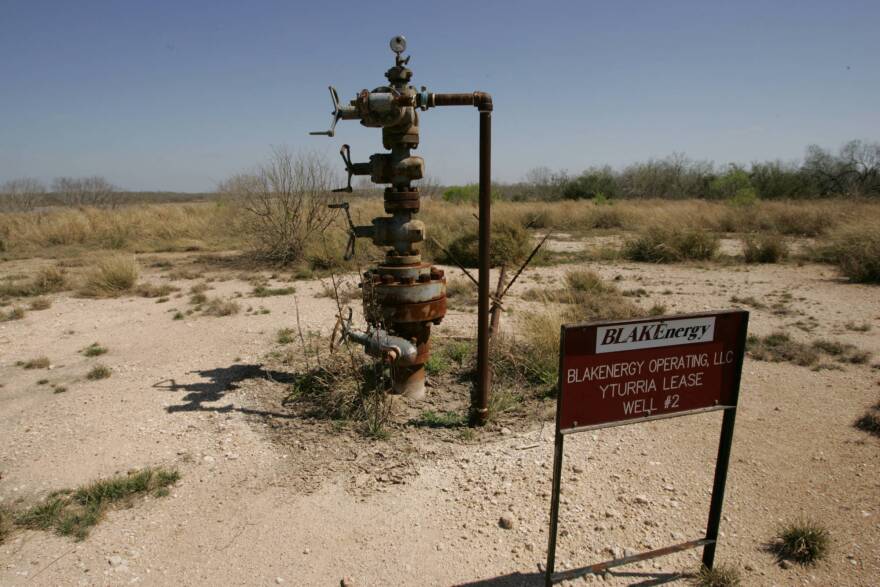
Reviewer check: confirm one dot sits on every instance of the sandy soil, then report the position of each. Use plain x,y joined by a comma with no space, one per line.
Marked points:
268,498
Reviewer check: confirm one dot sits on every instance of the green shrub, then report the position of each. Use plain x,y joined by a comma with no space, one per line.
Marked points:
765,248
669,245
462,194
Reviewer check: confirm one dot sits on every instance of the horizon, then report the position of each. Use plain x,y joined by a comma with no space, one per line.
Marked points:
176,98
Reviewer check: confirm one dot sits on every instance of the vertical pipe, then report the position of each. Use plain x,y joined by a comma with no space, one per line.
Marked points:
484,374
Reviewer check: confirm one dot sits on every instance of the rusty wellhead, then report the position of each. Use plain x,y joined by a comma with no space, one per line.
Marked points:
402,296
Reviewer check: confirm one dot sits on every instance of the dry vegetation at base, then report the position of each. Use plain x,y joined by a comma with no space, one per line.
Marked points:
718,576
73,512
779,347
111,276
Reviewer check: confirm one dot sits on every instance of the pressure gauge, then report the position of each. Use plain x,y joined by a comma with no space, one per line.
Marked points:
398,44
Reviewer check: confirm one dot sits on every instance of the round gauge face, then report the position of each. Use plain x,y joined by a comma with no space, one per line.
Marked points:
398,44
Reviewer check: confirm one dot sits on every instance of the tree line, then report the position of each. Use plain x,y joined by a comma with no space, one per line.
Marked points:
852,171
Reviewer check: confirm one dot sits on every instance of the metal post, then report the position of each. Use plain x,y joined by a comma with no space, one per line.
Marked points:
554,509
484,374
723,460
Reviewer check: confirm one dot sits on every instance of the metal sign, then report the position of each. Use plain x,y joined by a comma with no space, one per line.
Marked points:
614,373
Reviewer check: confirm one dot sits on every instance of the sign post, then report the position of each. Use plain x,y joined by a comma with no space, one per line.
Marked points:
615,373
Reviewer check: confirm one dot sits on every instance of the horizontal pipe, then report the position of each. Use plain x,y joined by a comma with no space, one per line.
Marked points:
481,100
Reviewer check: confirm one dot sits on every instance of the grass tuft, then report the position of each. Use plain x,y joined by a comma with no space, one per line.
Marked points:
150,290
75,512
94,350
221,307
856,252
16,313
804,541
671,245
40,304
430,419
262,291
99,372
285,336
717,576
870,421
110,277
38,363
764,248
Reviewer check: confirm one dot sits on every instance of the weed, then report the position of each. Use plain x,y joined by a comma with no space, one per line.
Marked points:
38,363
657,310
461,289
858,327
431,419
75,512
285,336
40,304
16,313
42,382
843,352
94,350
437,363
265,292
59,389
220,307
765,248
669,245
856,252
111,276
459,351
149,290
717,576
177,316
779,347
99,372
870,421
198,288
804,541
6,521
46,280
750,301
197,299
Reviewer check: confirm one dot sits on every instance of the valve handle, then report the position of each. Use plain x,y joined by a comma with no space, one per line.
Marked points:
337,114
349,247
345,152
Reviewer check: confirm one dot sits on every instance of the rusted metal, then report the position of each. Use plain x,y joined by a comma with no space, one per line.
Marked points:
610,564
484,374
400,297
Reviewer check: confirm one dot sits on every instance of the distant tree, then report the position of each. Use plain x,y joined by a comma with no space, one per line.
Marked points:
85,191
545,183
21,195
597,182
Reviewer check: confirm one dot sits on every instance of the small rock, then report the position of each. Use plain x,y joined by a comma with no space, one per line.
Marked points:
506,522
784,564
279,580
346,582
116,560
208,459
641,499
577,470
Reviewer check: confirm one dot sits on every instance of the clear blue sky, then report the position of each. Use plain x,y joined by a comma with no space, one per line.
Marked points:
176,95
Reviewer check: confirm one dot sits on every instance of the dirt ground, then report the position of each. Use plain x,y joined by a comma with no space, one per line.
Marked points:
267,497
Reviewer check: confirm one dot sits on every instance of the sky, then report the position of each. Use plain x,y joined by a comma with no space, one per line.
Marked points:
178,95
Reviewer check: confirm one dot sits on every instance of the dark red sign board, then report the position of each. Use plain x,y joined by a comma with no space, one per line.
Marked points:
615,372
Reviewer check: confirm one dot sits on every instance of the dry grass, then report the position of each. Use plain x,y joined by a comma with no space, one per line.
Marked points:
99,372
37,363
870,420
764,248
664,244
46,280
855,249
717,576
221,307
40,304
16,313
111,276
778,347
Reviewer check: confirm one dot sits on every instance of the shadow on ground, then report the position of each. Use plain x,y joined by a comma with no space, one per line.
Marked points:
220,381
537,579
